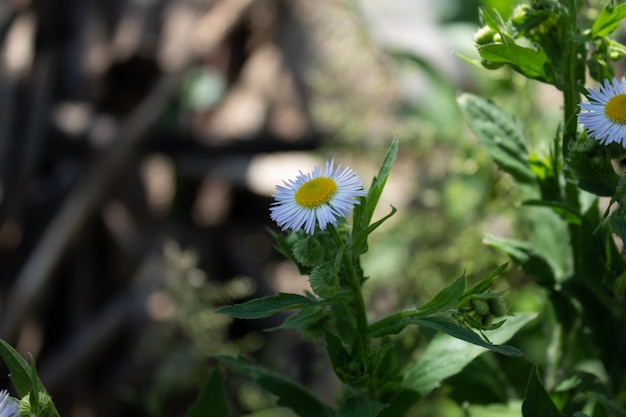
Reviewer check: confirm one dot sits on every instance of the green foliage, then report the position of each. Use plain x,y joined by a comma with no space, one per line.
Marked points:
446,355
360,407
212,397
267,306
537,402
336,312
608,20
35,399
289,393
527,61
568,245
499,134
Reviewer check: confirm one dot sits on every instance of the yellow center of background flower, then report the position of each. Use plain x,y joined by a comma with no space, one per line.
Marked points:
615,109
316,192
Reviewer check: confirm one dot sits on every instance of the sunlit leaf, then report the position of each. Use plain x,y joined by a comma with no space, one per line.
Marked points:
446,299
532,63
531,261
446,355
499,134
608,20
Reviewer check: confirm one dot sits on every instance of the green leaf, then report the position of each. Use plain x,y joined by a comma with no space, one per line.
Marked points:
446,355
306,316
537,402
565,211
531,261
396,323
360,407
18,367
402,400
499,134
608,20
267,306
339,356
290,394
33,396
212,399
532,63
23,376
446,299
360,238
486,283
595,390
363,212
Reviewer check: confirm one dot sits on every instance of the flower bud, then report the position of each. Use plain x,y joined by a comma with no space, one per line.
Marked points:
484,35
46,407
308,251
497,306
480,307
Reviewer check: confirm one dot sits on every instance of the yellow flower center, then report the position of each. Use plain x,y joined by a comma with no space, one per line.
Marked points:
316,192
615,109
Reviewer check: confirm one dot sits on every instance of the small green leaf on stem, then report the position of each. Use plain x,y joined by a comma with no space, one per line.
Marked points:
537,402
212,399
532,63
267,306
608,20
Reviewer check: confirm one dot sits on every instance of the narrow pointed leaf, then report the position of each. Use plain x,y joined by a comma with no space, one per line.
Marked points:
267,306
608,20
537,402
212,399
446,355
290,394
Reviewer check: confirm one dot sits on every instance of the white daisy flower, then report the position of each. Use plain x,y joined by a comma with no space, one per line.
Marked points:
604,116
319,198
8,407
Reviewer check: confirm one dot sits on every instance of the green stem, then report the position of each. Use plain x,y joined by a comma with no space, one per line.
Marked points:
359,305
572,72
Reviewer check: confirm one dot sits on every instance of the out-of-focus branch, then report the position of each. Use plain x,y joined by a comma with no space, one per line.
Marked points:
84,201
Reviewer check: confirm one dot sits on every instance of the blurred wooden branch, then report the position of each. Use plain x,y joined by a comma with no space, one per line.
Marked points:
80,206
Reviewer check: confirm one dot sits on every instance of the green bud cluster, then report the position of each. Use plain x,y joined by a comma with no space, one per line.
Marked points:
481,310
45,407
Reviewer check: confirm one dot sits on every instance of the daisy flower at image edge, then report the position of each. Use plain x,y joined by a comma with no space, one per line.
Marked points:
318,198
604,116
8,407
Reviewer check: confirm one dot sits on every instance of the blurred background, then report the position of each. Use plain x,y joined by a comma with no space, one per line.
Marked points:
140,144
